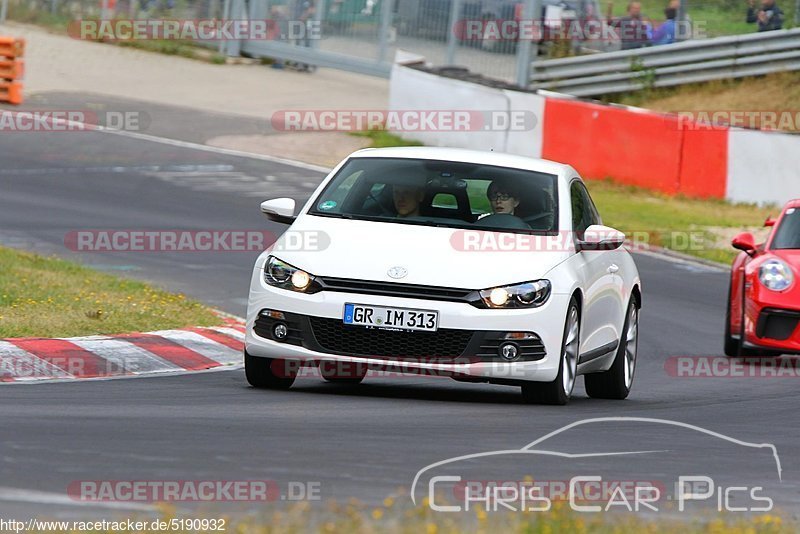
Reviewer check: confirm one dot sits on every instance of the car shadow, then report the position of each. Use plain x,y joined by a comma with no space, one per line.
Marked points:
441,390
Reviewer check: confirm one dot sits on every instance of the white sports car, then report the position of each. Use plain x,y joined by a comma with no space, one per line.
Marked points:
485,267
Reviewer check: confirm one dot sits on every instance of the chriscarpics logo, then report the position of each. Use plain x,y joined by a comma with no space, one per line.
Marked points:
630,464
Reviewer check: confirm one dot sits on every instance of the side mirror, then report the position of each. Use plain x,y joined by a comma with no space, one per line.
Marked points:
599,237
279,210
746,242
770,221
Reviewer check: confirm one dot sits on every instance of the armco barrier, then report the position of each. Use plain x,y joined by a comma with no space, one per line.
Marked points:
11,69
655,151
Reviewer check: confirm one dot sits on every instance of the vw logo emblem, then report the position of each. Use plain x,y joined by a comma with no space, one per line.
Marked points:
397,272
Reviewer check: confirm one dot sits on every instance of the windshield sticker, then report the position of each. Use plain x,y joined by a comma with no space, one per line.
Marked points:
327,205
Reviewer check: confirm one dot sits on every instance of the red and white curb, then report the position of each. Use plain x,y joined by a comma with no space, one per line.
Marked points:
124,355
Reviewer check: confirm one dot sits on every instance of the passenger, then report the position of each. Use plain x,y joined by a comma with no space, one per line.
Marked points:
504,199
407,199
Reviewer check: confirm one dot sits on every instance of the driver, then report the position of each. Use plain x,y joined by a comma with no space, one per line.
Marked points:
503,198
407,199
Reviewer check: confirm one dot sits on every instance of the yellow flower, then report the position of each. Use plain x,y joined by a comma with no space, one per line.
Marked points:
388,502
377,513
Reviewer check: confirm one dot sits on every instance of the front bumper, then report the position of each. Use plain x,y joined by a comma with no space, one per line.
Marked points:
315,320
774,328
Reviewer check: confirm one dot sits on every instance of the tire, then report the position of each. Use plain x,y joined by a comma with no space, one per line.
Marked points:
616,383
731,343
559,391
268,373
352,374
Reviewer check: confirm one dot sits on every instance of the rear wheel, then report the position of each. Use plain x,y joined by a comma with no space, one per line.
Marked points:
616,382
559,390
269,373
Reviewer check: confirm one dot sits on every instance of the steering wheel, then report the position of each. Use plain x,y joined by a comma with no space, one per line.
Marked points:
502,221
533,219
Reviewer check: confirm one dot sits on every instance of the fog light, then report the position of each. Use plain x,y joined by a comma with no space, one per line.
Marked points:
280,331
508,351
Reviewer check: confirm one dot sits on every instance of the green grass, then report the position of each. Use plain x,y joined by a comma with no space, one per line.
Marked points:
701,228
49,297
385,139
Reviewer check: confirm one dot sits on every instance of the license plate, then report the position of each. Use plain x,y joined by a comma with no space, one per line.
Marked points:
391,318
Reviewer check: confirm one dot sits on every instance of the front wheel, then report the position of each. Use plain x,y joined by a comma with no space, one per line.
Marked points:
559,391
616,382
269,373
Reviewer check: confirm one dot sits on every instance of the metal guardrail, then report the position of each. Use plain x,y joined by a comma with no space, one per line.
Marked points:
668,65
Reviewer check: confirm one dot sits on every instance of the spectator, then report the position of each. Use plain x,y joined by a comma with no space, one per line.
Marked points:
278,30
769,16
303,12
665,34
633,30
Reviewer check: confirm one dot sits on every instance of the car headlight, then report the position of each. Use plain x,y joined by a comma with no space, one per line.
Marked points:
775,275
525,295
278,273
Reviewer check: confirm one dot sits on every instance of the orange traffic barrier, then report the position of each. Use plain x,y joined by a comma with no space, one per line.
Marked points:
11,69
12,47
11,92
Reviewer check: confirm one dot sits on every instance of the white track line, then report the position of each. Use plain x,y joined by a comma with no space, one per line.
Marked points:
42,497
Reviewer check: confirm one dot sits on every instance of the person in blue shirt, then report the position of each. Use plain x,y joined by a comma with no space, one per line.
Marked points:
665,34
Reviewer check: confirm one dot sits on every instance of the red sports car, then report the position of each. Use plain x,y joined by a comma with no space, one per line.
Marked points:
764,293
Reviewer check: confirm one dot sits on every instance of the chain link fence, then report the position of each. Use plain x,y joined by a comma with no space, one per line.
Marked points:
485,36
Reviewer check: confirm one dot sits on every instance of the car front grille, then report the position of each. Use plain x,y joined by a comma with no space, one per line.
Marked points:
390,289
336,337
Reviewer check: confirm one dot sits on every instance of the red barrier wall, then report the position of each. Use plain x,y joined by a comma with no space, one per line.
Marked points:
704,163
648,150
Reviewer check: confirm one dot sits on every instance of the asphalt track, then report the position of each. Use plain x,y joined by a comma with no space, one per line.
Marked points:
364,442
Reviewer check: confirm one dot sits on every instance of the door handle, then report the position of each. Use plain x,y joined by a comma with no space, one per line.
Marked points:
613,268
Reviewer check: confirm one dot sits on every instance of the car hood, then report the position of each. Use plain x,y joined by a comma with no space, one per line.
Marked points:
790,256
431,256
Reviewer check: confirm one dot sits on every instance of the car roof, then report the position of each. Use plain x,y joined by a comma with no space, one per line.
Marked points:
793,204
499,159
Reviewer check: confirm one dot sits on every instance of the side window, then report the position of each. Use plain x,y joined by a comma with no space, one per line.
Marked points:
595,214
584,214
578,208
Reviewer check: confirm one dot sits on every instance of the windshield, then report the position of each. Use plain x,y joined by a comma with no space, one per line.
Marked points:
788,233
441,193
